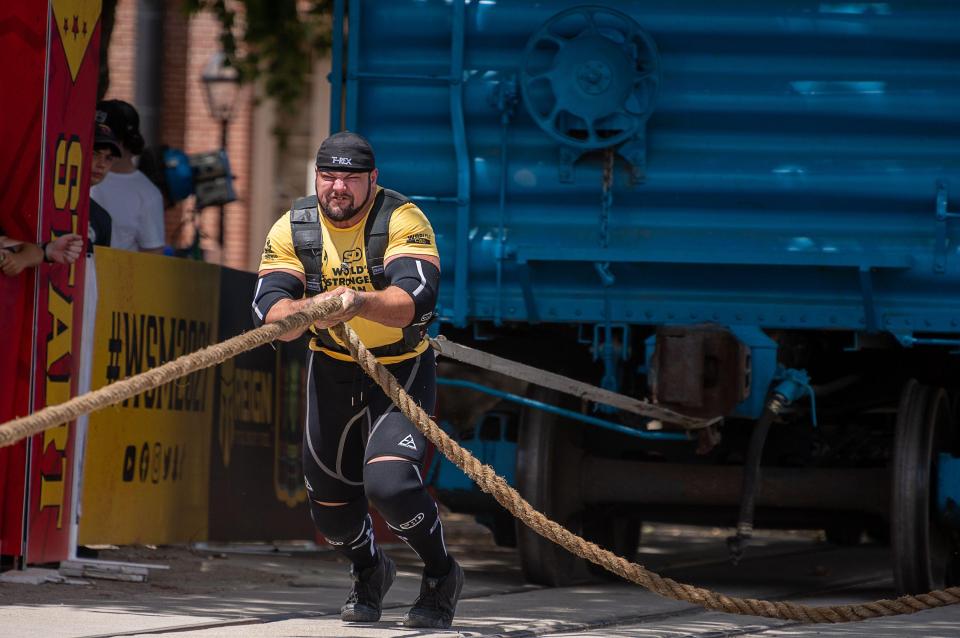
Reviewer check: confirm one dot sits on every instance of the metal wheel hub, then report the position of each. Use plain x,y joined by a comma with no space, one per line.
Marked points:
593,77
590,77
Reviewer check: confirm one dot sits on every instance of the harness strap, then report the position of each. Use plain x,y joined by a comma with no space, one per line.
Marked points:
308,241
376,234
394,349
307,234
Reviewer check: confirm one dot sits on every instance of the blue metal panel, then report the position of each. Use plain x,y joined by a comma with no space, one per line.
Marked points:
336,69
802,164
353,55
460,290
948,488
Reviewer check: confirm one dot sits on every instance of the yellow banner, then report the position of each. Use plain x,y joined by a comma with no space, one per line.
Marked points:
147,464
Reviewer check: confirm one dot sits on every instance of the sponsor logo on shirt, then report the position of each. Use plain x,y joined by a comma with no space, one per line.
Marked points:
268,252
352,255
350,275
422,239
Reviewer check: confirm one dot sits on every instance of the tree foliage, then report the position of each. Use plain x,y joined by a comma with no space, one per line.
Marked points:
273,40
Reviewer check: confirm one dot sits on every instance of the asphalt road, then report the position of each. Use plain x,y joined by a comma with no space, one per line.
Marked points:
236,591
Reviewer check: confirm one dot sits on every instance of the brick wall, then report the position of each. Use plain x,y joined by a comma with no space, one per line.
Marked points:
122,58
185,121
174,81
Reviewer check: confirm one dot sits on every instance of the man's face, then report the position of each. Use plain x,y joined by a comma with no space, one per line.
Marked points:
102,161
343,195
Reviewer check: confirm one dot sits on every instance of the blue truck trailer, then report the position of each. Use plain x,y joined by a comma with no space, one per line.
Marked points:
746,212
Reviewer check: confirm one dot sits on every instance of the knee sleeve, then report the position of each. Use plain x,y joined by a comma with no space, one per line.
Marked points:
341,524
395,489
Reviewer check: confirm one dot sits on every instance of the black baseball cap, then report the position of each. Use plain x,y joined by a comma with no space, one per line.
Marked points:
346,152
103,137
124,122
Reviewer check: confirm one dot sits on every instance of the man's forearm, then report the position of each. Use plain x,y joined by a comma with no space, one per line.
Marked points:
27,256
283,309
32,255
391,307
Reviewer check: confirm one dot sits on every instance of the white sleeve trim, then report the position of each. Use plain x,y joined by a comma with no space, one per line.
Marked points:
256,294
423,279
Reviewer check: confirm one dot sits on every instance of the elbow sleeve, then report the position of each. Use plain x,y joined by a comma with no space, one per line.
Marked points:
421,280
271,288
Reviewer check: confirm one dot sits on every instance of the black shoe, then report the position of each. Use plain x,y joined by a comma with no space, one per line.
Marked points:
370,585
437,601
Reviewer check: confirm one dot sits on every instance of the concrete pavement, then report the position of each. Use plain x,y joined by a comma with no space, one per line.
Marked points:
206,594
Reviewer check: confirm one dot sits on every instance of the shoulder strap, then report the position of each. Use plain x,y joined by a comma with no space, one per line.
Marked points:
377,233
377,237
308,241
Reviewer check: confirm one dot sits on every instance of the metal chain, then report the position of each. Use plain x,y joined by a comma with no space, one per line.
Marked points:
606,201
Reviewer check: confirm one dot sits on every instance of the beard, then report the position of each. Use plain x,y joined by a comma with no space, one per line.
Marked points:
340,209
343,208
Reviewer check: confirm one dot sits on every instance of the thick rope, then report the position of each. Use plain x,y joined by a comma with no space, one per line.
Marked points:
509,498
52,416
483,475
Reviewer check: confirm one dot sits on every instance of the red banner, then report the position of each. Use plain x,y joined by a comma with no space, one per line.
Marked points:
71,86
14,398
23,42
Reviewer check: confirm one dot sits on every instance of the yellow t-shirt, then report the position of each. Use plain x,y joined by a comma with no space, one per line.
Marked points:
344,263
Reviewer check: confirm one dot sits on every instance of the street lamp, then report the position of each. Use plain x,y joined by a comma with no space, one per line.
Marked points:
222,85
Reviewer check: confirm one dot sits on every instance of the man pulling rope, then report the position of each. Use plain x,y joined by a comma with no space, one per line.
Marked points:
375,250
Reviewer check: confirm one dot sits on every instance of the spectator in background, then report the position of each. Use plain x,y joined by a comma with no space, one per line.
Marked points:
134,203
106,149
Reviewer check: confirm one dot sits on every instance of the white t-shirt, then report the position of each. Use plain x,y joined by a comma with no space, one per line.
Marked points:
136,208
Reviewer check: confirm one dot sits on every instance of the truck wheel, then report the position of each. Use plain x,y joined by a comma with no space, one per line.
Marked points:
502,525
617,532
548,455
922,547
